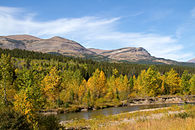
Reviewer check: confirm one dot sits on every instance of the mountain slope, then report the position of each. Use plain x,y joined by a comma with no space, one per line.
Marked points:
128,53
192,60
131,54
52,45
59,45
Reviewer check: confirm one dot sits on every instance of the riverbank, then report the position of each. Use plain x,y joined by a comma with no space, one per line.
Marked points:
130,102
125,120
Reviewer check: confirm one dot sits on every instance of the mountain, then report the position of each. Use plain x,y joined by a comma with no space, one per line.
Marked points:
192,60
59,45
128,53
53,45
131,54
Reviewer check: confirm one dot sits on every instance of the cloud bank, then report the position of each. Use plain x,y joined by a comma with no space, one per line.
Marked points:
90,31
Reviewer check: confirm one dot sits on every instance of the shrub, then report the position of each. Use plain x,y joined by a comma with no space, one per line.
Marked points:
11,120
48,122
183,115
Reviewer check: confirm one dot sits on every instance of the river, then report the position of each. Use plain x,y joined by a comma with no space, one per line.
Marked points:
108,111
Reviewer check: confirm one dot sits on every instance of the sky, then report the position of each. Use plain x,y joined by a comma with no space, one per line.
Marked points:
166,28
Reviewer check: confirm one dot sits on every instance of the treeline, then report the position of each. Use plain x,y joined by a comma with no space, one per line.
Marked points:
88,66
29,85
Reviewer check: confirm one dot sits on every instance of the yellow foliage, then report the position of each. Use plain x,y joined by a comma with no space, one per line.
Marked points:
97,84
51,85
24,105
82,90
173,81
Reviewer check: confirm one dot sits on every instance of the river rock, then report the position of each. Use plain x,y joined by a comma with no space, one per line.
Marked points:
85,109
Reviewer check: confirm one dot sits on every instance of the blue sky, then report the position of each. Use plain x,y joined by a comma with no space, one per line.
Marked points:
165,28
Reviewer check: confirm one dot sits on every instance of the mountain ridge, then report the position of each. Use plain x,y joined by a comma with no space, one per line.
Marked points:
192,60
54,44
126,53
63,46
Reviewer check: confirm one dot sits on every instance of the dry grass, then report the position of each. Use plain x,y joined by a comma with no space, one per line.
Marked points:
162,124
172,118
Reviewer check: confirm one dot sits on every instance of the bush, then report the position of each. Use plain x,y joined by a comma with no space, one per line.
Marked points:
48,122
183,115
11,120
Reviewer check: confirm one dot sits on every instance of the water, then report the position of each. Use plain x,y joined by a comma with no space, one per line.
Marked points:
108,111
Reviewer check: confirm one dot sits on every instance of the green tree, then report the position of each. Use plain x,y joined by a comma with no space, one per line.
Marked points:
131,85
28,81
185,82
192,84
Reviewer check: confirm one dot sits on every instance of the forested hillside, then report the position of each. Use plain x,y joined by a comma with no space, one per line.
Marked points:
62,46
32,81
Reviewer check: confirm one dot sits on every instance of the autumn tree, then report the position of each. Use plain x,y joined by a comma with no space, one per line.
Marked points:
152,81
164,88
192,84
172,82
101,88
139,83
131,85
70,85
87,99
122,86
115,72
148,82
23,104
97,84
51,86
6,73
82,90
28,81
111,91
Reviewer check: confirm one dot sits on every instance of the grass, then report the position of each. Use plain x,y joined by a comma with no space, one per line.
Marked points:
162,124
181,121
141,120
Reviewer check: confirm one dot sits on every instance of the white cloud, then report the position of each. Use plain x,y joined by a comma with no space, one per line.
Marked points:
89,31
10,10
193,12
